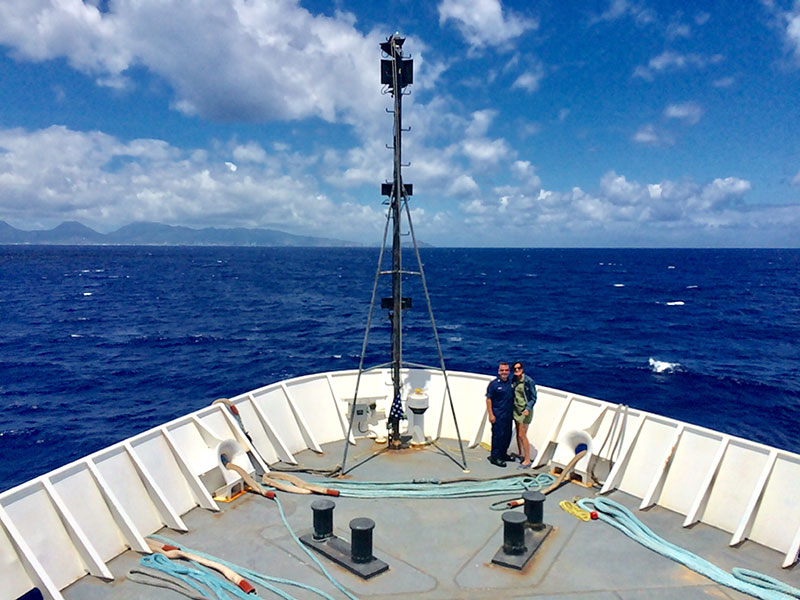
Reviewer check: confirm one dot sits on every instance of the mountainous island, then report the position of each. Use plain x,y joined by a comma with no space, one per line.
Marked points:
157,234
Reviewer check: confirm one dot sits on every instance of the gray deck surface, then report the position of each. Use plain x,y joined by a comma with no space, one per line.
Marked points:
442,549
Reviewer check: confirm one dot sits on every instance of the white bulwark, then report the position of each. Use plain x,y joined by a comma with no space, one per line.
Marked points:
71,522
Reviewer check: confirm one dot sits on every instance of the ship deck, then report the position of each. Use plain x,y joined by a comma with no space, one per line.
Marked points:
442,548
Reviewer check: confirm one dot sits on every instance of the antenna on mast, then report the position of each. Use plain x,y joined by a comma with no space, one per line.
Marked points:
397,72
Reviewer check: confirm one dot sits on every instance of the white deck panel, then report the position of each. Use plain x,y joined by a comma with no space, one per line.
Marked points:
13,575
691,460
548,411
276,408
194,449
582,414
120,474
40,525
779,509
646,456
313,399
259,435
469,402
740,467
157,457
372,385
85,502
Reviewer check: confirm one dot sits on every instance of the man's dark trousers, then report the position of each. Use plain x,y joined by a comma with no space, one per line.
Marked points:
501,435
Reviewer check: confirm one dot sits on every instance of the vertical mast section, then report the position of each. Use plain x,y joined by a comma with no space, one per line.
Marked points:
396,73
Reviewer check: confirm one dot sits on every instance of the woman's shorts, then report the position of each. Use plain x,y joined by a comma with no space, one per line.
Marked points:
519,418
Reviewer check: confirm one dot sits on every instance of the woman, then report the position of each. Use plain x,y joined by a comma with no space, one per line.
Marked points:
524,399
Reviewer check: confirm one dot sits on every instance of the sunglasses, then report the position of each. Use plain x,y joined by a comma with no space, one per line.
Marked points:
518,368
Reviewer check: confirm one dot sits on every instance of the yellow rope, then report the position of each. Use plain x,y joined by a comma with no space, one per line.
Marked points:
575,510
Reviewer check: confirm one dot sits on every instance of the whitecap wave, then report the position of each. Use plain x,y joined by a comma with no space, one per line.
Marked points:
662,366
676,303
619,285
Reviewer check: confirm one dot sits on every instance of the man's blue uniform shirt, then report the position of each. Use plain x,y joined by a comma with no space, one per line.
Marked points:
501,393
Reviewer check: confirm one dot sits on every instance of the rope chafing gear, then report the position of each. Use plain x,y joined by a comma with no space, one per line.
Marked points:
552,484
248,479
258,577
297,482
173,552
192,575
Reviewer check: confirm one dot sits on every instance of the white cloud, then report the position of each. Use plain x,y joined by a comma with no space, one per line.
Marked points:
274,60
796,179
618,9
787,23
792,32
250,152
723,82
678,30
484,22
649,135
56,174
688,112
463,185
669,61
525,172
623,206
702,18
481,120
530,79
483,152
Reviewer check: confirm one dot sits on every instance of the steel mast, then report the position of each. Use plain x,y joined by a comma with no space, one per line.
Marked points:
396,73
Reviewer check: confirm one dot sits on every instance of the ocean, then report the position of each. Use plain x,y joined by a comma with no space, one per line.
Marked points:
99,343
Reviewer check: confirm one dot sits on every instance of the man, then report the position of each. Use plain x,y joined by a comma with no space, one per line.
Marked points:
500,406
524,399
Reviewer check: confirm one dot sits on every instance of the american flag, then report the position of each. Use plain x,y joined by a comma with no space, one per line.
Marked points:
397,409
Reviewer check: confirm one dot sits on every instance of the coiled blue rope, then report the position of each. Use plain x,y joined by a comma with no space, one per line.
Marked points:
432,488
207,584
748,582
266,580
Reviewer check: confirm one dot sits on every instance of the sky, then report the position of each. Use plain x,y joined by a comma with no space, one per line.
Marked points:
614,123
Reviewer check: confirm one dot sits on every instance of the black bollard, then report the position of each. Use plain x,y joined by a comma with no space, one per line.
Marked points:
361,539
523,533
323,518
355,556
534,509
513,532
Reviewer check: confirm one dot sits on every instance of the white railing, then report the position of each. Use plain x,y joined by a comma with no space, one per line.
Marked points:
71,522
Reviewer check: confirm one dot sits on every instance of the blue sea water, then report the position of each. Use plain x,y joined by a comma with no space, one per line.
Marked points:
99,343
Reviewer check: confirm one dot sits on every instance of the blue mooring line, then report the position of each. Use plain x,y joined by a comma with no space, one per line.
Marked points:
748,582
